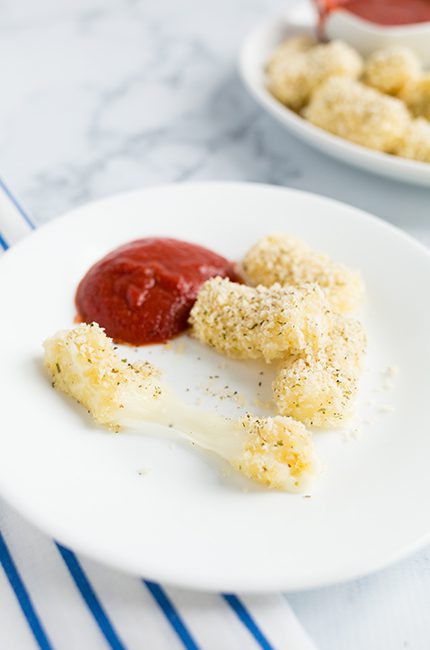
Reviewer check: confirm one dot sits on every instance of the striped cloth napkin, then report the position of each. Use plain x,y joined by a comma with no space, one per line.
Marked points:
53,599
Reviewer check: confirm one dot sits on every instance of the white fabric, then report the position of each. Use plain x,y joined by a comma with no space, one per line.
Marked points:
137,619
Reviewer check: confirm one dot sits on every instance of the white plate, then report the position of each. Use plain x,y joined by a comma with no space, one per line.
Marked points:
188,520
254,55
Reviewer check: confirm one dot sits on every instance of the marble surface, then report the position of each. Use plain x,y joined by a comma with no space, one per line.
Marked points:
100,96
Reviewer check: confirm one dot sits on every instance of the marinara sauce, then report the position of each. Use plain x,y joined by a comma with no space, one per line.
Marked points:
381,12
143,291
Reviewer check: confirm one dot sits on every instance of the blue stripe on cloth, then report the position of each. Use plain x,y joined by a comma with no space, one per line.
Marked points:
76,570
16,203
90,598
172,615
23,597
243,614
3,243
69,558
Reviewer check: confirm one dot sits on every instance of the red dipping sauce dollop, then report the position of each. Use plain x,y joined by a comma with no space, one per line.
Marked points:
381,12
143,291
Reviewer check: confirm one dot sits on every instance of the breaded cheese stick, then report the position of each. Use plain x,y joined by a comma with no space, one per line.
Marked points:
260,322
358,113
319,389
289,261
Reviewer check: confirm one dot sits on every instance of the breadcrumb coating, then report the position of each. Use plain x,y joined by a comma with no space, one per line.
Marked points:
291,461
335,58
390,69
290,261
296,68
260,322
83,364
319,389
416,96
288,77
416,141
358,113
295,45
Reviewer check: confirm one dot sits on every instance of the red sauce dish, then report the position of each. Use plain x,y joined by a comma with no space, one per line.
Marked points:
381,12
143,291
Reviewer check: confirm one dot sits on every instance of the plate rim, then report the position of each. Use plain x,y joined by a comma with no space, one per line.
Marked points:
219,184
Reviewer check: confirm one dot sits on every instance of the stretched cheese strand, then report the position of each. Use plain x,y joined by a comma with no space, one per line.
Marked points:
276,452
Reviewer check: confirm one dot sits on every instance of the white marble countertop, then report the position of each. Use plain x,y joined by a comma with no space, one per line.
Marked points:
100,96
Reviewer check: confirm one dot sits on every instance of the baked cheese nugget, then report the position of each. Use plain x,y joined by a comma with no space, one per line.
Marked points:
335,58
295,45
391,69
358,113
417,97
416,142
319,389
287,72
296,68
289,261
260,322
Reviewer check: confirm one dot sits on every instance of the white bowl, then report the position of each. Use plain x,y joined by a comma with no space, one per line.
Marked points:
254,55
366,36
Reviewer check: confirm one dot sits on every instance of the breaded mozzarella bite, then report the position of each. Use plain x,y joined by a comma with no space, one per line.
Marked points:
290,261
260,322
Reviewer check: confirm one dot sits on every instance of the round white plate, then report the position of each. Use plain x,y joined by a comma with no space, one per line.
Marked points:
254,55
152,505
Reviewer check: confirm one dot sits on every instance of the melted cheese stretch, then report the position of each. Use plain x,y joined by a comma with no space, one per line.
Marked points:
262,322
289,261
276,452
319,389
